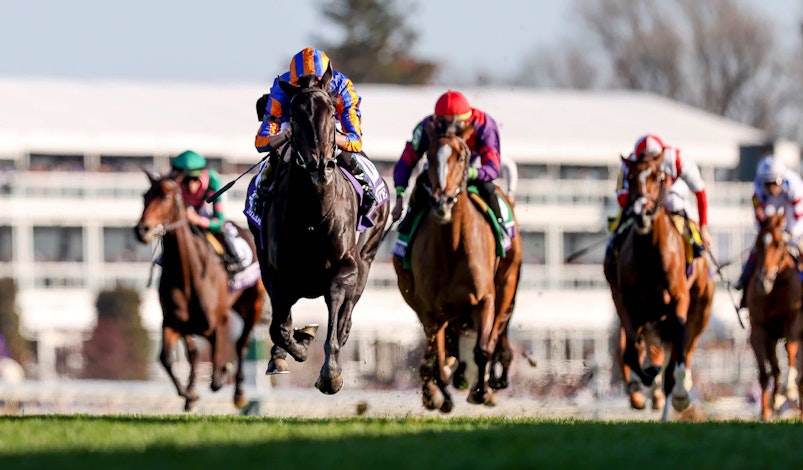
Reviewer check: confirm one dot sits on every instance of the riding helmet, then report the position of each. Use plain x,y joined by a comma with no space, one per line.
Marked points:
192,163
309,61
770,170
649,145
453,103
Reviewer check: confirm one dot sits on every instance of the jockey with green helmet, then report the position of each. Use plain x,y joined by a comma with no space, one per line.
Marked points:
273,110
197,181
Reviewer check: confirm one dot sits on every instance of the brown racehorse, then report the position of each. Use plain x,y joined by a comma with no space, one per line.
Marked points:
774,301
194,290
457,281
651,288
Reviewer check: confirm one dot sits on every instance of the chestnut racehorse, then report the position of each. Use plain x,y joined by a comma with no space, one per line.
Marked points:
457,281
774,302
194,290
651,287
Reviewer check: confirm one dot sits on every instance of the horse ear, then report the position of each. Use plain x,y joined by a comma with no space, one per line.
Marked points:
152,175
288,88
326,79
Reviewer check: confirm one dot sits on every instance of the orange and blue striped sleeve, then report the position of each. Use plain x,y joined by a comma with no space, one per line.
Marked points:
274,116
348,111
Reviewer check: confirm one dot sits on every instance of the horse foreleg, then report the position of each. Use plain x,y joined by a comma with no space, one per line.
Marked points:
775,370
434,395
192,357
486,344
169,339
759,342
791,375
504,356
217,341
240,400
632,386
294,342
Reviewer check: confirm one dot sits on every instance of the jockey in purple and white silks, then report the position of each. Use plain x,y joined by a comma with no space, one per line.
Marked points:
776,187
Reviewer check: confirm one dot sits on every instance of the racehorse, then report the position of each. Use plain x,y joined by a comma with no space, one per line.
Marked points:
310,246
652,287
774,302
457,281
194,290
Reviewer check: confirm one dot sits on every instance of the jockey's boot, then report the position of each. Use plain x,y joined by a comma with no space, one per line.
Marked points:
231,257
697,248
368,196
493,203
267,177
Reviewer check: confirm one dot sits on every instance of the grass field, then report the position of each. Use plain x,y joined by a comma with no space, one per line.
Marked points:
234,443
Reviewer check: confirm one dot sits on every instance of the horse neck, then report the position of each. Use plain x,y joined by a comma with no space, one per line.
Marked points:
463,224
302,196
180,244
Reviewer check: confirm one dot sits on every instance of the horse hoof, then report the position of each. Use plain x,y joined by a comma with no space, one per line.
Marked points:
240,401
491,400
277,365
190,403
447,406
459,378
215,386
331,386
658,400
680,403
479,397
306,333
498,384
432,397
637,401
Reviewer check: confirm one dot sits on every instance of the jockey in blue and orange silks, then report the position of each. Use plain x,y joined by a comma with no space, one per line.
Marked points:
452,106
274,113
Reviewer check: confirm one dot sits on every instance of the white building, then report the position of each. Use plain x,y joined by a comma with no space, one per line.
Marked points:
70,191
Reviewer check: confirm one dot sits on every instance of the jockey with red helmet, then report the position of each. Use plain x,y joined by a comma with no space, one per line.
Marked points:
273,110
676,167
453,107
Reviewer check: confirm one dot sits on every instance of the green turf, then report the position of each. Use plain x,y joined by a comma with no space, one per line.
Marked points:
234,443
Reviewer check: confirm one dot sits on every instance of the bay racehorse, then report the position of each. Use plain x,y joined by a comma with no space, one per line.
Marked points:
653,288
310,245
774,302
194,290
457,281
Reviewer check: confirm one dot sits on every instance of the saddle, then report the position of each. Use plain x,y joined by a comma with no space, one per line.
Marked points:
502,233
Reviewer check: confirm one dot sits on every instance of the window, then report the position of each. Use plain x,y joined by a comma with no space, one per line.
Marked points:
120,245
119,163
583,172
529,171
574,242
47,162
58,244
6,244
534,247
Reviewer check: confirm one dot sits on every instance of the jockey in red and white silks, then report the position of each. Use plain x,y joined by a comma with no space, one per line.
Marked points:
683,175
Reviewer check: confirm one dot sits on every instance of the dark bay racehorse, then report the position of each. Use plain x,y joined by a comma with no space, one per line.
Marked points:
774,301
309,230
652,289
194,290
456,281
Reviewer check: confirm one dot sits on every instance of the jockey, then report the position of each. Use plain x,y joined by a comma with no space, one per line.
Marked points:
273,112
675,202
484,144
778,186
197,182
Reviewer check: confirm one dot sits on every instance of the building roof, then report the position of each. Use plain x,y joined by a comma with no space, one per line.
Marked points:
116,117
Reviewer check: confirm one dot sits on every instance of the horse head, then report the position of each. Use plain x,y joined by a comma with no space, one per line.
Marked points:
646,190
448,161
163,208
771,254
312,119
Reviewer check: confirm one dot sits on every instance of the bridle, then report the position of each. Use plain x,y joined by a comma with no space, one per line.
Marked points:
465,154
301,160
167,226
644,205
